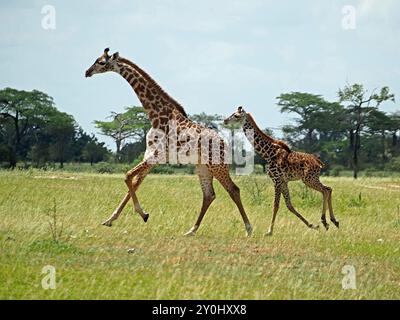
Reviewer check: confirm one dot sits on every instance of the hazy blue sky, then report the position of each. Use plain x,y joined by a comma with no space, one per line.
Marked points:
210,55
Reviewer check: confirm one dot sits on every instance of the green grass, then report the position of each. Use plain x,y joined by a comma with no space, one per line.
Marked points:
92,261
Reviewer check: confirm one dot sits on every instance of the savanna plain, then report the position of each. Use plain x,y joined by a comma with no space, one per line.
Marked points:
54,219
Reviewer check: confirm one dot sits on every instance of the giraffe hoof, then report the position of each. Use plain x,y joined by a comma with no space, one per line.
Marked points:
190,233
145,217
269,234
336,223
249,230
107,223
325,225
314,227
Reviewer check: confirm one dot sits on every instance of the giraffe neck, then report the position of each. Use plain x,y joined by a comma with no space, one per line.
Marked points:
159,106
262,143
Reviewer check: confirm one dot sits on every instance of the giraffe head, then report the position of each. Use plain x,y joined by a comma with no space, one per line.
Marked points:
104,63
236,117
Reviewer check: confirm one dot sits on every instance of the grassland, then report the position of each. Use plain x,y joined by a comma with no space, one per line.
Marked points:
93,262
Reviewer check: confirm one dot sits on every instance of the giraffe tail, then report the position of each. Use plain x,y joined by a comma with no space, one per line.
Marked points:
319,162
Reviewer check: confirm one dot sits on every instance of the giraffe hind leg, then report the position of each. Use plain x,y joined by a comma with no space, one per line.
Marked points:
318,186
221,173
323,216
276,208
332,216
286,195
206,182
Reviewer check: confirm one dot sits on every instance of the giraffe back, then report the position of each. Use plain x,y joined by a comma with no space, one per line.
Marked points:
187,142
298,165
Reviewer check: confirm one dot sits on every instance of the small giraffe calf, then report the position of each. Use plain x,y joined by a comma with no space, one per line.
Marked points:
285,165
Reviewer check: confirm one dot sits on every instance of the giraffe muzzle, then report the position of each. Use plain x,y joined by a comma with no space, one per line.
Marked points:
88,73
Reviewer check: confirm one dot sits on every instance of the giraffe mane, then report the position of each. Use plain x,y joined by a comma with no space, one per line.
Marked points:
277,143
145,75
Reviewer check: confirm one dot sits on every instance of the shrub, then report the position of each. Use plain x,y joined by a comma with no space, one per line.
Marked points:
163,169
393,165
369,172
336,170
104,167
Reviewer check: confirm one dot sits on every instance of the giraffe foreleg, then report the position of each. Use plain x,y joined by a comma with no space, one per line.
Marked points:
133,179
117,212
276,208
137,175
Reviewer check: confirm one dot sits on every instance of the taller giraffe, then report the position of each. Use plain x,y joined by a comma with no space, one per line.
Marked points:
285,165
163,110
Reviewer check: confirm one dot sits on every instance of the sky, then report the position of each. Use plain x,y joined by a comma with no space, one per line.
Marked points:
210,55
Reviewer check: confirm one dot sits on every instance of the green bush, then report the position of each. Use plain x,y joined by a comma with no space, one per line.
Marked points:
393,165
163,169
105,167
258,169
369,172
335,171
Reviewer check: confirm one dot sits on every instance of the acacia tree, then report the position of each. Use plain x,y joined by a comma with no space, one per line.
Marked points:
304,105
94,151
394,129
61,131
378,125
317,120
22,112
132,124
53,140
361,104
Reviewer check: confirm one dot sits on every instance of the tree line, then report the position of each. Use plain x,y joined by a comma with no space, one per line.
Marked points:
33,131
352,133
